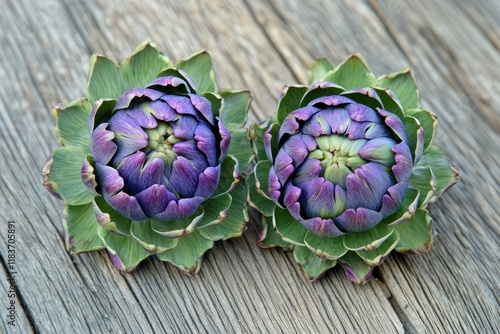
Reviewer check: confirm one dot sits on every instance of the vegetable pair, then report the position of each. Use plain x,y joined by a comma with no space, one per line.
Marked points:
156,160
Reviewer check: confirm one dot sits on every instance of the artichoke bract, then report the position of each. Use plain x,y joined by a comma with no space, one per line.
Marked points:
150,160
346,169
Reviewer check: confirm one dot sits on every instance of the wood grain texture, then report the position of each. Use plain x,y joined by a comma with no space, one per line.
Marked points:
453,47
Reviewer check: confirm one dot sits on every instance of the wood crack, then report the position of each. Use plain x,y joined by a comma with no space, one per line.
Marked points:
24,305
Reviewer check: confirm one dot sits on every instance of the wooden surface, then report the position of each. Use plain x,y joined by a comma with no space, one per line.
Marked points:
453,46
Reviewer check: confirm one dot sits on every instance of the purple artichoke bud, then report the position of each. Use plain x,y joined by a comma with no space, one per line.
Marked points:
160,153
150,160
346,169
341,166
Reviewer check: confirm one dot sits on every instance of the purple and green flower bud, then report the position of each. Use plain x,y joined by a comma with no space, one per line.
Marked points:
150,160
347,168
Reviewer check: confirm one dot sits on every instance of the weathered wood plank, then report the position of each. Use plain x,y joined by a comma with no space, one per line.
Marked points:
261,45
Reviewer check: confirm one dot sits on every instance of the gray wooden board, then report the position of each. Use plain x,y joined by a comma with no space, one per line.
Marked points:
453,46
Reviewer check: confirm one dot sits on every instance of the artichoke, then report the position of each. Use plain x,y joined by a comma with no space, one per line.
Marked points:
346,170
150,160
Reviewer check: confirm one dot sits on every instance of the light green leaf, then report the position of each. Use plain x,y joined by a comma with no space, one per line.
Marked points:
72,123
416,234
215,102
229,176
188,253
404,86
330,248
216,210
125,252
240,147
65,171
105,79
313,266
367,240
268,238
366,96
178,228
429,122
108,80
103,111
390,101
290,229
236,104
352,73
81,225
405,210
151,241
256,200
290,101
444,171
423,179
261,172
109,219
377,256
319,69
415,133
257,139
356,269
200,69
235,222
142,66
320,89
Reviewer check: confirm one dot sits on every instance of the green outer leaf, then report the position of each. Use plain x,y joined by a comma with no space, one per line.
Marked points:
445,172
256,134
319,69
143,66
108,80
151,241
313,266
65,172
110,219
404,86
81,225
105,79
256,200
405,210
414,130
416,234
215,102
103,111
377,256
429,122
229,176
125,252
200,69
356,269
290,230
423,179
390,101
261,172
236,104
370,98
72,123
178,228
216,210
188,253
235,222
268,238
329,248
240,147
367,240
319,90
290,100
352,73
